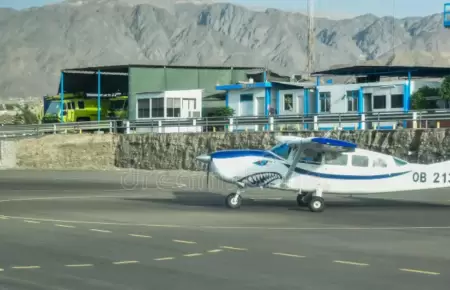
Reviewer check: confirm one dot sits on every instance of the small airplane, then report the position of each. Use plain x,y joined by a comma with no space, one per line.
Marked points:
316,165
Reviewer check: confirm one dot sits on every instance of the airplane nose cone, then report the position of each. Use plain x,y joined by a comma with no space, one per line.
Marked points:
204,158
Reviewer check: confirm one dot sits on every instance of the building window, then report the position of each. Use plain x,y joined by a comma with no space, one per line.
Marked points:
289,102
352,101
324,98
143,107
246,105
379,102
396,101
173,107
360,161
80,105
157,107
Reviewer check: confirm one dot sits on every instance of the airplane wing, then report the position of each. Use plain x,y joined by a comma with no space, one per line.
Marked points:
317,144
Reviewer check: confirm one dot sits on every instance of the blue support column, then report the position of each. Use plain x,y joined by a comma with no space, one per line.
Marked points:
226,99
267,101
360,105
99,92
407,97
277,105
317,95
61,98
305,105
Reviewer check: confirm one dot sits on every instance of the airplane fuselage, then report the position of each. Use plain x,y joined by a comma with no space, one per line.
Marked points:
358,172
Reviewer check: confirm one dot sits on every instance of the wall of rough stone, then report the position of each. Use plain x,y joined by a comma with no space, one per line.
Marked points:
82,151
178,151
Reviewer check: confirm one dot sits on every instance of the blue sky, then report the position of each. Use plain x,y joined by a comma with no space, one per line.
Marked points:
398,8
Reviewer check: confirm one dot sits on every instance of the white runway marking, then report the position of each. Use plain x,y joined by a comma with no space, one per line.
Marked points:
64,226
351,263
205,226
26,267
215,251
419,271
125,262
100,231
184,242
79,265
289,255
139,236
31,222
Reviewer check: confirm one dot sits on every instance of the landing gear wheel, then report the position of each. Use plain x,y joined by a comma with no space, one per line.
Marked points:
233,201
300,200
317,204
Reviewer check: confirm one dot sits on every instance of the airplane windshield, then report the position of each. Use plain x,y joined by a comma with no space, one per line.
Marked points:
281,150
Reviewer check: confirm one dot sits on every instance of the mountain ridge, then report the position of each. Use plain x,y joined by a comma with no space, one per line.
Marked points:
37,43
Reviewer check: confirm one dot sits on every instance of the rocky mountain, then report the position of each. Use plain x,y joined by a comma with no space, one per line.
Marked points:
36,43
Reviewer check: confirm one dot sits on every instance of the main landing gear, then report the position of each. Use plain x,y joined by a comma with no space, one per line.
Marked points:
234,200
313,200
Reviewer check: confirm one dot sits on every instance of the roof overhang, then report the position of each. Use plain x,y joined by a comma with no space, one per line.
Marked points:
388,71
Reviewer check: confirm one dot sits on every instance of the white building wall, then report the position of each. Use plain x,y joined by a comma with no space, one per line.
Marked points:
234,98
189,100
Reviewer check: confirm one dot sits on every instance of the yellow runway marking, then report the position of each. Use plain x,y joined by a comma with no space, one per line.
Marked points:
215,251
420,272
64,226
80,265
139,236
164,259
351,263
32,222
184,242
101,231
289,255
233,248
125,262
193,255
26,267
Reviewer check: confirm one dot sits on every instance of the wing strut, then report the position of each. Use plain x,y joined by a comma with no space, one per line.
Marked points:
292,167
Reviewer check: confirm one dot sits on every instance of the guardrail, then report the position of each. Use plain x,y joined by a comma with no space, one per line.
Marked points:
414,119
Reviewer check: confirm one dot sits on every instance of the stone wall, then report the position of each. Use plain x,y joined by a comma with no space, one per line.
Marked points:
82,151
178,151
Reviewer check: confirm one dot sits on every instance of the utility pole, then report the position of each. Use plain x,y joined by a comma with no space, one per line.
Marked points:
311,38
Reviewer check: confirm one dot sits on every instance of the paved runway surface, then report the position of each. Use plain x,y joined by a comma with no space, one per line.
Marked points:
153,230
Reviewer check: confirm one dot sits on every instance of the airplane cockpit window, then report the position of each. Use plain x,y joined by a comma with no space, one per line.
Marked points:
282,150
379,162
311,156
335,158
360,161
400,162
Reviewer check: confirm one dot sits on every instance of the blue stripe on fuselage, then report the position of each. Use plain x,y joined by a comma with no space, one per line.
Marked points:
243,153
346,177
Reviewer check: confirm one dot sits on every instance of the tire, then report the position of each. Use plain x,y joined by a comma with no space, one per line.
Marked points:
317,204
233,201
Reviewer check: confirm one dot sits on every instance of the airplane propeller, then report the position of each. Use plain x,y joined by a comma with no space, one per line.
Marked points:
206,159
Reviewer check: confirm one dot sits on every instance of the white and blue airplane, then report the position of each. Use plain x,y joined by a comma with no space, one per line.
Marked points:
316,165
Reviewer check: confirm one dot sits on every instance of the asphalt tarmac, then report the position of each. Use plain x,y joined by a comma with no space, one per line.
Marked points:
166,230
